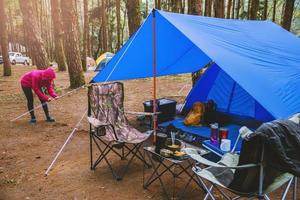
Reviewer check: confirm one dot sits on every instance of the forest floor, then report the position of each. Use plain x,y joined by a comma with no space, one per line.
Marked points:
27,150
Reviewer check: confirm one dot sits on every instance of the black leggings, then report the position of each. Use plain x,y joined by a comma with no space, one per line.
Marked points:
29,96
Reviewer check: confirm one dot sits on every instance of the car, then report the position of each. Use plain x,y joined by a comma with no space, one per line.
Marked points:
18,58
1,60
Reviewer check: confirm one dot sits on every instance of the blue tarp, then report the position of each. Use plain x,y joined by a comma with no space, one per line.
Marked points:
259,58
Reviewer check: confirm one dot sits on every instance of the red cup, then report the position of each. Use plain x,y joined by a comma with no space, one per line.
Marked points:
223,133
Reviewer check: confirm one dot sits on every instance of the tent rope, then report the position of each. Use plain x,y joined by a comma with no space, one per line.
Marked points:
66,142
39,106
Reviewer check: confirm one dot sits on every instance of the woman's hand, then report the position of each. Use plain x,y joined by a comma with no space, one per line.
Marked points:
55,98
49,99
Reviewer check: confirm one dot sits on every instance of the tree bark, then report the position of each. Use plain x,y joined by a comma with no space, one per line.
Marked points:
104,25
208,5
287,16
265,9
60,57
274,10
133,15
254,9
3,42
229,5
34,34
71,41
118,15
219,7
195,7
86,32
238,9
157,4
233,9
175,6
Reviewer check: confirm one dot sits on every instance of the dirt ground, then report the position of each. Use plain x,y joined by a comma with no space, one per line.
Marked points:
27,150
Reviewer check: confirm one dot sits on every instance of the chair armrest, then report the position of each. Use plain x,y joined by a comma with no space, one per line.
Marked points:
195,156
140,113
96,123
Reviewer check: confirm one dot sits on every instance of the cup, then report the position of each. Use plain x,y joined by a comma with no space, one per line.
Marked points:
223,133
214,133
225,145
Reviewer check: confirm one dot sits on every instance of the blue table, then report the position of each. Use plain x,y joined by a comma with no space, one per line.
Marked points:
204,131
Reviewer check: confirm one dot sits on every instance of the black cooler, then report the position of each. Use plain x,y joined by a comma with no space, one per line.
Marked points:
166,107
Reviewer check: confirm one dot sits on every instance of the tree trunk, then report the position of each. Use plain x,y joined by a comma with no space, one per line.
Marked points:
175,6
229,5
85,33
219,7
238,9
254,9
34,34
274,10
265,9
288,14
3,40
104,25
249,9
195,7
157,4
233,9
118,13
60,57
133,15
208,5
71,41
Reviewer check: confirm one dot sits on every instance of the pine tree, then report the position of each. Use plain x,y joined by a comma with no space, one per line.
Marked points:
34,34
3,40
133,15
60,57
287,14
71,41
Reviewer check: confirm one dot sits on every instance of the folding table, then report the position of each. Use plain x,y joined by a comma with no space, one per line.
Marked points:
160,165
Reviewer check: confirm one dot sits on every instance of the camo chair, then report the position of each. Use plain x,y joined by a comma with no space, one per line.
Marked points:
110,130
222,175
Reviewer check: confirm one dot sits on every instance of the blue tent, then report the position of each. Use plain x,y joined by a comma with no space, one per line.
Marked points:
256,70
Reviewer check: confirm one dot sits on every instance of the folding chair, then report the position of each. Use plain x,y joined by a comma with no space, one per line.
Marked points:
109,127
220,175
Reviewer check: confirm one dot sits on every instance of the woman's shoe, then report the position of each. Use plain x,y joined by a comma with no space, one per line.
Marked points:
50,119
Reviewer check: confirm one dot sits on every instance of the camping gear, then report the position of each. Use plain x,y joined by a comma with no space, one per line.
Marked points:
167,167
225,145
194,41
214,133
210,115
176,146
223,133
102,60
160,142
196,115
166,107
245,179
110,127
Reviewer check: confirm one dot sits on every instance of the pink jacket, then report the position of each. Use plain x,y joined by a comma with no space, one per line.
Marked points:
37,79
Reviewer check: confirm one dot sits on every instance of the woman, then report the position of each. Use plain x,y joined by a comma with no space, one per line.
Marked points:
36,80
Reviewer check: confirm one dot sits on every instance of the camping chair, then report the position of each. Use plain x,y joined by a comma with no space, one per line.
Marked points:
221,174
110,127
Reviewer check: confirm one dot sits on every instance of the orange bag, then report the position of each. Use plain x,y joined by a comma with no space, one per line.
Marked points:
196,114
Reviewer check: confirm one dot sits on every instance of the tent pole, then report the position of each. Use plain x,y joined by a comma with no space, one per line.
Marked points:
154,75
